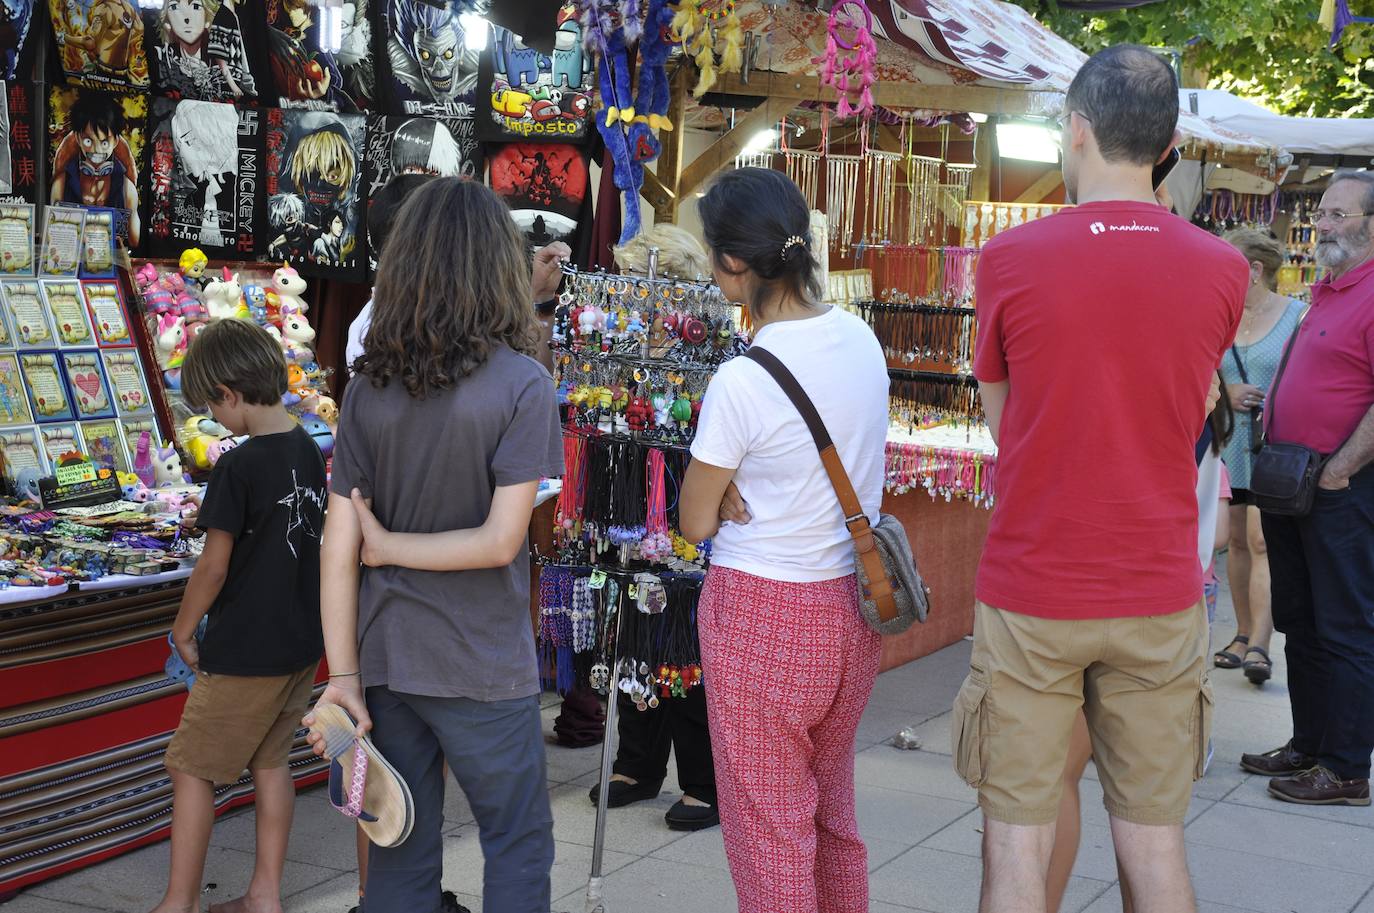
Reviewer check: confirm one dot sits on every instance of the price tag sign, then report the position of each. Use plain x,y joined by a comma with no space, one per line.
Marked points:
597,581
76,473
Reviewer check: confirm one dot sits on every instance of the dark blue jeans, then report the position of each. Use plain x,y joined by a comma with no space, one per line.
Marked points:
496,752
1322,572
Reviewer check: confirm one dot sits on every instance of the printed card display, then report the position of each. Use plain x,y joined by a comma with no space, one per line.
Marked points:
109,317
16,239
14,405
62,240
6,334
86,379
104,444
67,311
22,451
98,244
126,382
28,314
47,390
206,167
59,440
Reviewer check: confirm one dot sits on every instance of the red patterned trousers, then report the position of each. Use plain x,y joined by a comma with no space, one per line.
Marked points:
788,669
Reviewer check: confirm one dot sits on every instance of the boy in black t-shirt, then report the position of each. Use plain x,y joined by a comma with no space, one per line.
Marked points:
259,581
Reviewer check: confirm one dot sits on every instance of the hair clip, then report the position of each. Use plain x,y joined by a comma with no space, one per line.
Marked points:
795,239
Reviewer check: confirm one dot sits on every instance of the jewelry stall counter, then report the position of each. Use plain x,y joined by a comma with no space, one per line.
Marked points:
940,485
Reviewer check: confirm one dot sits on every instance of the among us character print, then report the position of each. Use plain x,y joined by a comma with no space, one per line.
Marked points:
528,96
200,49
16,32
433,69
545,186
204,171
444,147
314,176
306,75
96,141
99,43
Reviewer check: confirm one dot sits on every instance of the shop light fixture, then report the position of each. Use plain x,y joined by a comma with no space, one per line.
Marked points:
150,4
760,141
1027,142
331,27
978,117
474,31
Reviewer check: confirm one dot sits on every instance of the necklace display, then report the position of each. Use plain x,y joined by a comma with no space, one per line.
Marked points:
632,358
944,472
912,333
984,221
921,399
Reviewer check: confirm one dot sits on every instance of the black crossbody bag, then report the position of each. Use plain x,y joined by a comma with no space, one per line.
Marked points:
1284,477
1256,412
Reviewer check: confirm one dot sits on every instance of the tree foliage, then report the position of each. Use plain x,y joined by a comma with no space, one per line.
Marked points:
1273,51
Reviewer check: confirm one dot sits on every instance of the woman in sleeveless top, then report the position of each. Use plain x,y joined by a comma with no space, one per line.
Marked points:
1249,370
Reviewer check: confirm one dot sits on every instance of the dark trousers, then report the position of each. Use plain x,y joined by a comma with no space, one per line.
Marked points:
679,724
1322,571
496,752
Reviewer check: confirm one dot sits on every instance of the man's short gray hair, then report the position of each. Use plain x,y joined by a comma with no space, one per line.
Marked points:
1362,177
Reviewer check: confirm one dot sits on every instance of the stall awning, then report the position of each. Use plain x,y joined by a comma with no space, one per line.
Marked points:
1320,136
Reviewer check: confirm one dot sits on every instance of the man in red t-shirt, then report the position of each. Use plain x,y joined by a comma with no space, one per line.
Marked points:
1322,565
1100,330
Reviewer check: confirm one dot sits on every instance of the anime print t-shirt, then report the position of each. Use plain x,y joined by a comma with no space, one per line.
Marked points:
431,70
269,494
305,75
210,50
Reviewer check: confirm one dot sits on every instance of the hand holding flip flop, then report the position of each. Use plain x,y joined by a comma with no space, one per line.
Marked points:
362,784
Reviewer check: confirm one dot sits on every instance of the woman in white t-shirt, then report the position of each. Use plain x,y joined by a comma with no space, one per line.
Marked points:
789,661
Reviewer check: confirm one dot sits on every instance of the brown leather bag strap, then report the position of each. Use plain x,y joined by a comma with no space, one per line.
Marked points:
855,520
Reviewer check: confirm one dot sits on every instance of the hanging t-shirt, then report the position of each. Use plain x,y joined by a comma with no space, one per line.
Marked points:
99,43
430,69
18,38
21,144
444,147
205,177
307,76
1109,320
431,465
749,425
314,175
210,50
545,186
96,146
527,96
268,493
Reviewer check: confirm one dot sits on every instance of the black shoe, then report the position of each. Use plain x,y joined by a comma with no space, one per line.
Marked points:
1320,786
448,903
622,794
1281,762
684,817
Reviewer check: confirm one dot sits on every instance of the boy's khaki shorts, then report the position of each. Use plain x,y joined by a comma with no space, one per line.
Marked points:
232,722
1142,684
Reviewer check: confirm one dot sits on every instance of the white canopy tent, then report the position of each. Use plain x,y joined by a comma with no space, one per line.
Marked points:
1302,136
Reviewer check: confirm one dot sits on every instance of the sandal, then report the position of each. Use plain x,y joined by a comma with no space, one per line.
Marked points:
1225,659
362,784
1258,671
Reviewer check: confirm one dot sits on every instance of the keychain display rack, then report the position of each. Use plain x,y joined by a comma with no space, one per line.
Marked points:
923,399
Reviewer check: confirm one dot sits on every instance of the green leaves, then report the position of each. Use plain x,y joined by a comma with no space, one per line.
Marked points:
1272,51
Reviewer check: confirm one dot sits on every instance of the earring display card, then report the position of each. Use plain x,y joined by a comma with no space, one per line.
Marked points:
28,314
47,391
98,244
59,440
126,382
22,451
104,444
89,388
62,227
105,305
67,311
14,404
16,239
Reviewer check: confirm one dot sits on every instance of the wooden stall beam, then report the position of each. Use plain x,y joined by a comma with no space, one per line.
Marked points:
723,151
663,200
668,170
987,99
1043,187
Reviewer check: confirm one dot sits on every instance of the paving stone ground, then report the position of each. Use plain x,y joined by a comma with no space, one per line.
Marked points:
1247,852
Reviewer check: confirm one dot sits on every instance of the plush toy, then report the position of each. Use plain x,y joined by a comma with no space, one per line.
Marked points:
295,385
320,433
651,102
137,493
609,44
193,262
328,410
296,334
289,287
157,298
225,297
171,340
167,470
197,436
255,296
186,303
143,460
26,484
220,448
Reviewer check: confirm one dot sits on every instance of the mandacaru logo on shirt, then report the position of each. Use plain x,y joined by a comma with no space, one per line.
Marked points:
1098,228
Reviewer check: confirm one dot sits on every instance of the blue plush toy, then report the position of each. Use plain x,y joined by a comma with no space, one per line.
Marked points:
651,102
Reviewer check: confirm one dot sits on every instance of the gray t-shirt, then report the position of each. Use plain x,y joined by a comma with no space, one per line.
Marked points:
430,466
